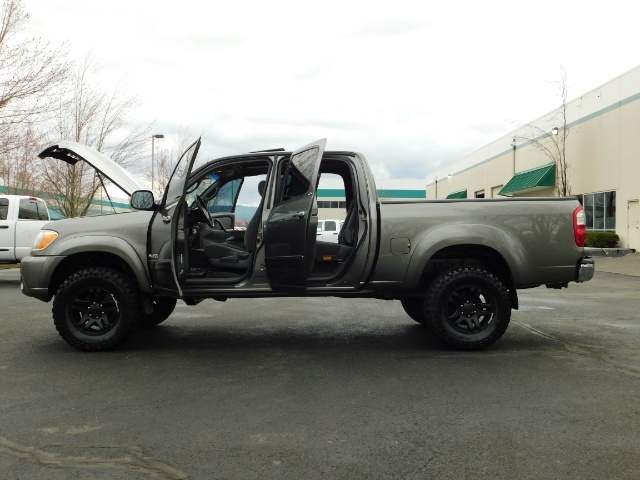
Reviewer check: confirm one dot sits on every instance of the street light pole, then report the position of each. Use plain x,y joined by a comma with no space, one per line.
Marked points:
513,145
436,188
153,137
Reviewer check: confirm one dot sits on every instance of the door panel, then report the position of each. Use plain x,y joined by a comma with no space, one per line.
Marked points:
166,239
290,233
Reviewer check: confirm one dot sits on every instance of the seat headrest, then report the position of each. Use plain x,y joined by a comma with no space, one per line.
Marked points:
261,186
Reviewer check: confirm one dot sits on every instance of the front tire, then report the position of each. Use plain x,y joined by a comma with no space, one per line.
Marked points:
468,308
95,308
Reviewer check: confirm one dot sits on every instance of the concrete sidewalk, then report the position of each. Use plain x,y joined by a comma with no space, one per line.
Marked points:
627,265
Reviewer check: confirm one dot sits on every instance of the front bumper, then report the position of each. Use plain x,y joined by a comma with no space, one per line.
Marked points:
586,269
35,275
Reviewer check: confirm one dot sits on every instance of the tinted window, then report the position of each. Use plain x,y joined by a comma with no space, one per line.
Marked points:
610,211
225,199
32,210
329,226
4,208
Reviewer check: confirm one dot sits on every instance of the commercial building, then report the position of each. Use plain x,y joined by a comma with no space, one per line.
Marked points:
599,135
331,197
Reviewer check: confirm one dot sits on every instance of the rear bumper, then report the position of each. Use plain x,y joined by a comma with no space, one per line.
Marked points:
586,269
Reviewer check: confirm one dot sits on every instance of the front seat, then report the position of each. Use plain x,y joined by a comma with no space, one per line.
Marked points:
233,253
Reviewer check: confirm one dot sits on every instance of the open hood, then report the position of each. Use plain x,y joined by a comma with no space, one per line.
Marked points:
73,152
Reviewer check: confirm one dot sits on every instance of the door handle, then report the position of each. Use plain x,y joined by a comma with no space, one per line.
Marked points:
299,215
4,226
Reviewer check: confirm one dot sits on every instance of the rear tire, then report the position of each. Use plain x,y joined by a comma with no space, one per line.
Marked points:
414,307
96,308
162,308
468,308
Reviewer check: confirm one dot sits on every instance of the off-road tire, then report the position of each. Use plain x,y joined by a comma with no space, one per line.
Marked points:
414,307
96,308
468,308
162,309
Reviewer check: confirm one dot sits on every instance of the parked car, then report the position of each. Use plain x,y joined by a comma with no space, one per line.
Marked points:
455,265
21,218
328,230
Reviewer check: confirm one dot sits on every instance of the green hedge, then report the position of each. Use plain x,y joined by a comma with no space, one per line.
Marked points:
602,239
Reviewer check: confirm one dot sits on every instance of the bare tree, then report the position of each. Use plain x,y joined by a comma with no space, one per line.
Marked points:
20,169
553,144
99,119
29,71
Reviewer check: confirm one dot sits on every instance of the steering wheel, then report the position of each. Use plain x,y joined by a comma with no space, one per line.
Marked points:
202,208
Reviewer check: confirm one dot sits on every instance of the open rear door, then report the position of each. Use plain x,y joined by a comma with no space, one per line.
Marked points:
167,237
290,232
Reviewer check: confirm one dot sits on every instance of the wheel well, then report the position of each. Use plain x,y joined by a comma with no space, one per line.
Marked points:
75,262
469,255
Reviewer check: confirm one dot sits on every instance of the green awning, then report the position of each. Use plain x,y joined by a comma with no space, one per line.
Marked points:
458,194
531,180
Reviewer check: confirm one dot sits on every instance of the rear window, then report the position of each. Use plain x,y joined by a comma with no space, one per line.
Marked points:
31,209
4,208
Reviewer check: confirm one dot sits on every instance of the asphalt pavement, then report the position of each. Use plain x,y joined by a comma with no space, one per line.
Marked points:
313,388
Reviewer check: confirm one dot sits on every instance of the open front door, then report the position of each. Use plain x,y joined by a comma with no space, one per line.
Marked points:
290,232
167,236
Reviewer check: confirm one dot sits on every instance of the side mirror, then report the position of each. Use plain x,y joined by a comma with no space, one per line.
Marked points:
142,200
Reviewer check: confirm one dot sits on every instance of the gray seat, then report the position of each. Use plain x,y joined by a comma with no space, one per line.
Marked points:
236,253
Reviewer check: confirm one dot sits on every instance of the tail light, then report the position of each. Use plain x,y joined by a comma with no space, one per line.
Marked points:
579,226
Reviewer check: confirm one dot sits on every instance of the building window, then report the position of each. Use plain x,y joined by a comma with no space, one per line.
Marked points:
600,210
479,194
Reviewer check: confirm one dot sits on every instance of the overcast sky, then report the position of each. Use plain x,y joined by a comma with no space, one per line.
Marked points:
412,84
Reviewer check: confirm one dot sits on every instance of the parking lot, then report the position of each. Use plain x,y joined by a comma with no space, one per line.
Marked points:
308,388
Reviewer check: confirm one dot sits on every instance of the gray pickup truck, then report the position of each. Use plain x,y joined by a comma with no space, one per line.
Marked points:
455,265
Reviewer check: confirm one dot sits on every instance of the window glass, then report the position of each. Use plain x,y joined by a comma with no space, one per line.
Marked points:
304,163
610,210
598,211
4,208
32,210
319,228
329,226
588,209
225,199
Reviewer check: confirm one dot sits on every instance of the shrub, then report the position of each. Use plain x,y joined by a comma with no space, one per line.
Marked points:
602,239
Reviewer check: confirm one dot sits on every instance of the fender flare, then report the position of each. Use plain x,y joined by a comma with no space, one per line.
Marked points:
107,244
504,244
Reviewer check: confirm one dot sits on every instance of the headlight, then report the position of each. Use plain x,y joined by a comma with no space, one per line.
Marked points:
44,239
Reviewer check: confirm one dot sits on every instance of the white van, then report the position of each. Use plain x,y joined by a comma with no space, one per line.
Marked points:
328,230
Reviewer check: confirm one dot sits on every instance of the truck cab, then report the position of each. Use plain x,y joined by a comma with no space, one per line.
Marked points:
21,217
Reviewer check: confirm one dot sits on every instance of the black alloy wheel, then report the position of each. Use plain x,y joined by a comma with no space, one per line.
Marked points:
94,311
96,308
468,308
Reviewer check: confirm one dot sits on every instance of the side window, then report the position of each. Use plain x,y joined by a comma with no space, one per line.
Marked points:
32,210
4,208
296,175
330,226
225,199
